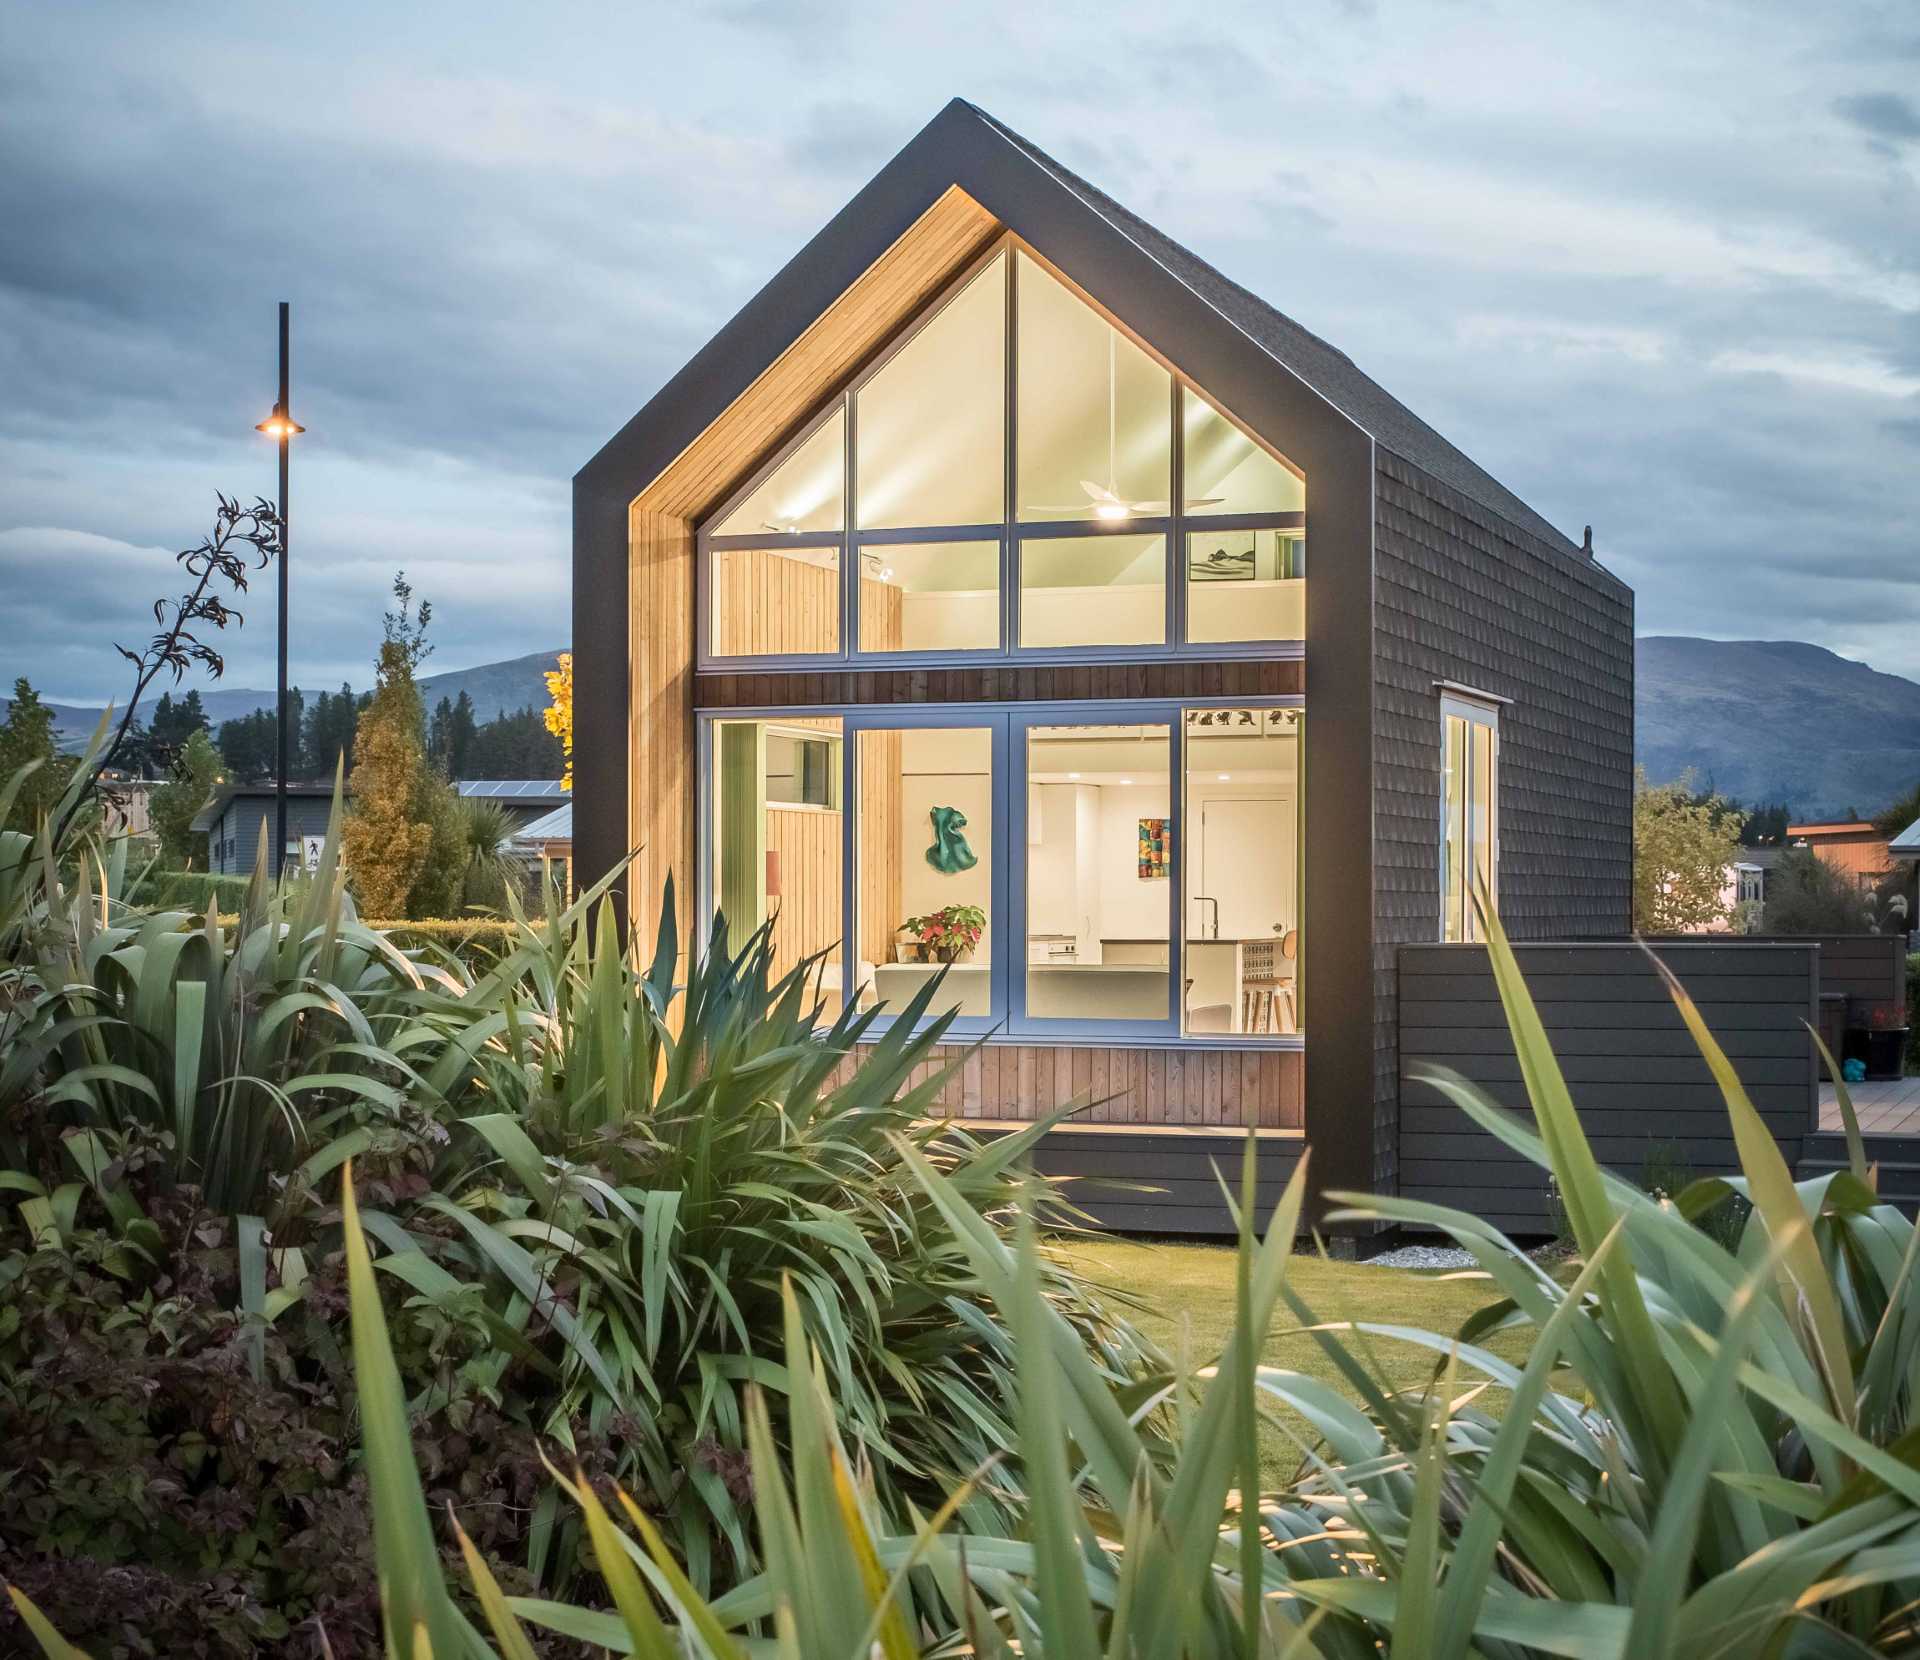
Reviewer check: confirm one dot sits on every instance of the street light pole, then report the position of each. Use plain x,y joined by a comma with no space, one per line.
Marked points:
281,426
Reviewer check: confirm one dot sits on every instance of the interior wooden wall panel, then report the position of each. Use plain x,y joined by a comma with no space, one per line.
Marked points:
878,854
808,842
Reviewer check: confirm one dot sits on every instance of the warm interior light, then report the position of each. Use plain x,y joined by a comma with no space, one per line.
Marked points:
1073,775
1111,510
1224,777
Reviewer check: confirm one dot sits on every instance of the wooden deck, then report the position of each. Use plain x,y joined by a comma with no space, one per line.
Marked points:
1889,1107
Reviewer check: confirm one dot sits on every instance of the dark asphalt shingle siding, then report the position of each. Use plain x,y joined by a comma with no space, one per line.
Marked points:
1461,594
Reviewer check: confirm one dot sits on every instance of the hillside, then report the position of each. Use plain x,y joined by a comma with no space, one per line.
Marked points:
496,688
1761,720
1776,721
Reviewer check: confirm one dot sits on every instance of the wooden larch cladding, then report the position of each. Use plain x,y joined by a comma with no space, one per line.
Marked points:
1001,683
1212,1088
910,274
1645,1096
660,589
661,785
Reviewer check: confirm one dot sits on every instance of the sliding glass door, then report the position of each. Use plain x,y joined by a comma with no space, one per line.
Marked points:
1093,872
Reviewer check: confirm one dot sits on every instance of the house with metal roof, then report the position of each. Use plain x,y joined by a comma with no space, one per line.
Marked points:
1006,595
522,799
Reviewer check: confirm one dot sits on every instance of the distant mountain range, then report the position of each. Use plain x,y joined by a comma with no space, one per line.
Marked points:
1768,721
1760,720
496,689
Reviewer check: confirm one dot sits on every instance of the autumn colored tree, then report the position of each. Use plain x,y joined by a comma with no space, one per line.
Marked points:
389,832
1683,847
559,713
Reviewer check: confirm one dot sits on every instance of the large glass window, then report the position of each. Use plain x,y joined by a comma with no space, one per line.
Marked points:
806,492
1469,813
1242,809
1135,872
925,856
930,596
1093,438
964,464
1246,585
776,847
775,602
1093,591
1227,471
930,426
1100,834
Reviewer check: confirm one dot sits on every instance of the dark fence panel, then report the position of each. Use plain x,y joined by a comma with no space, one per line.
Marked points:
1642,1089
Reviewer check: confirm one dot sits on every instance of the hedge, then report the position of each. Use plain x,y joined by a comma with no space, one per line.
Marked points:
191,890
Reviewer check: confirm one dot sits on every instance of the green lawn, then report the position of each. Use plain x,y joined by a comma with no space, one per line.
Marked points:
1189,1292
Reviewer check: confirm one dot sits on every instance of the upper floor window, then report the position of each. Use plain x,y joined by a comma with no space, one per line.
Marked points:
1469,813
1015,475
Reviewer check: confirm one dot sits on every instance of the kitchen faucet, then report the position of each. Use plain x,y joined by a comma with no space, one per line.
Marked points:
1208,899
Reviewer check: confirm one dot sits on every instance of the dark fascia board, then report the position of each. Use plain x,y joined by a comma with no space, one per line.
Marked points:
958,147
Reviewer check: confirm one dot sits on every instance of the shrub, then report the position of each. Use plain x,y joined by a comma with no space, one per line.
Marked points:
1806,895
197,891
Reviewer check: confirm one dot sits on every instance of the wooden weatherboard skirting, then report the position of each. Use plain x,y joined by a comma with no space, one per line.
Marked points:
1636,1077
1233,1088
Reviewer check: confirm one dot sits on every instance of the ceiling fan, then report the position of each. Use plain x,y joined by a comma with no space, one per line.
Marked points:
1103,501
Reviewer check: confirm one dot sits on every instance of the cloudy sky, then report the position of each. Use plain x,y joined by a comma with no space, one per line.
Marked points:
1656,266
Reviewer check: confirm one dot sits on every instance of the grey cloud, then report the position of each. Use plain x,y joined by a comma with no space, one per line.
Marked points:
1884,114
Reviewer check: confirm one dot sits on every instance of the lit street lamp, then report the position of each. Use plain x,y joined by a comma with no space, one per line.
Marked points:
281,426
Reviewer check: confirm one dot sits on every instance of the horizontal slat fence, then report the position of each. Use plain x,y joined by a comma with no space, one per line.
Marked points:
1636,1077
1870,967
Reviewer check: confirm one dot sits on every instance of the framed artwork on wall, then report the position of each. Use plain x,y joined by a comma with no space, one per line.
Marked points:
1155,833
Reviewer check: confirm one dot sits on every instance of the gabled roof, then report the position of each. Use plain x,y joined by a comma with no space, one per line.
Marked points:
556,826
1907,843
1328,370
209,815
1027,190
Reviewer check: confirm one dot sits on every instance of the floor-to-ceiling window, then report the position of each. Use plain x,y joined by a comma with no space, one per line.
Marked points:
1116,871
1017,476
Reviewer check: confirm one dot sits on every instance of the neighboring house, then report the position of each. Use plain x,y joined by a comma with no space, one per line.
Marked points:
1853,846
239,820
1904,854
1000,553
127,804
524,799
547,840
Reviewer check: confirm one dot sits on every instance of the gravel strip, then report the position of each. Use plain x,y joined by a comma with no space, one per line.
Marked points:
1424,1256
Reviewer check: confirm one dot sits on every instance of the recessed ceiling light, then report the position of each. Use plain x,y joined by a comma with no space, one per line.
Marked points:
1126,780
1224,777
1073,775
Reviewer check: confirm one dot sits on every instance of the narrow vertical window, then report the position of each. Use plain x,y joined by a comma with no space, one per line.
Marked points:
1469,813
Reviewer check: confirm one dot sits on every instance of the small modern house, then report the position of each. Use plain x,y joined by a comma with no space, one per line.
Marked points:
1006,590
240,815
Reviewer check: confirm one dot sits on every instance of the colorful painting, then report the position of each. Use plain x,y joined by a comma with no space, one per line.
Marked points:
1156,835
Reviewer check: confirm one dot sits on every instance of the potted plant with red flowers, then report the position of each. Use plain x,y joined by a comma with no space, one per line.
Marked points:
949,934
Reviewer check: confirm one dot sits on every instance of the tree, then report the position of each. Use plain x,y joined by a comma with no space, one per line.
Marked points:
26,738
327,741
1806,895
197,773
1683,845
400,842
516,745
559,713
454,727
1901,812
1766,825
248,745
